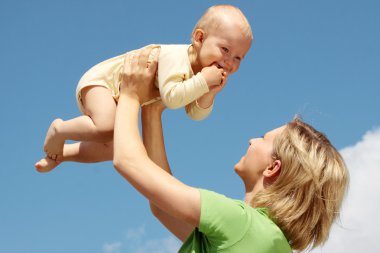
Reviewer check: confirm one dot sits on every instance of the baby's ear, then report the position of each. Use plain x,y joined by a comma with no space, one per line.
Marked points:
198,36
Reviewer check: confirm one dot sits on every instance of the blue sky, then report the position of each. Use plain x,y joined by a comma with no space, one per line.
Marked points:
317,58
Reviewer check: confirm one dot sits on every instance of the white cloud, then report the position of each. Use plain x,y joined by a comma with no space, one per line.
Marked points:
164,245
112,247
358,231
135,234
136,241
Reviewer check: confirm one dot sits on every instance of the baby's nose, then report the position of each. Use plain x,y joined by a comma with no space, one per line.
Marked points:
229,62
227,65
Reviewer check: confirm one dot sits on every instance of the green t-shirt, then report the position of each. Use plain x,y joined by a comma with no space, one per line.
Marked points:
228,225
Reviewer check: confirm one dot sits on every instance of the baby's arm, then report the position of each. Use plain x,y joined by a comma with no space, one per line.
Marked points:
197,111
176,92
177,89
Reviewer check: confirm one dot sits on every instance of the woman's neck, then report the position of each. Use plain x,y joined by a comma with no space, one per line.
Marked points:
194,61
252,190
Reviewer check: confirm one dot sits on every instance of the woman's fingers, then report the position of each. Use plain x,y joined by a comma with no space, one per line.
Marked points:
153,59
139,71
129,58
144,55
148,57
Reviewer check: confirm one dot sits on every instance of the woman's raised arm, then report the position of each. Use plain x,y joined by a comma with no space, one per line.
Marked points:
130,156
154,143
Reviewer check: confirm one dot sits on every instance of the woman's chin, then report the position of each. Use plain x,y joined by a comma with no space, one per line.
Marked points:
237,168
238,165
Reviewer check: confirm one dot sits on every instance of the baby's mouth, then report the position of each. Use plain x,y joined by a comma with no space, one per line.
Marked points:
218,65
221,67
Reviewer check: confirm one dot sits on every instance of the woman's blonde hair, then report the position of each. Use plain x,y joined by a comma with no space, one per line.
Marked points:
306,197
214,17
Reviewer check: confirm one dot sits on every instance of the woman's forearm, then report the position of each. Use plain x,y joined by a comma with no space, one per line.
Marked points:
132,162
154,144
127,143
153,136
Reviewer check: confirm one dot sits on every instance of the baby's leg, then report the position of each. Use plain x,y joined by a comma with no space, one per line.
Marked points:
97,125
82,152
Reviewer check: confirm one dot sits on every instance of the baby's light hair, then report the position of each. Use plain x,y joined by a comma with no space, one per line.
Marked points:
306,197
214,17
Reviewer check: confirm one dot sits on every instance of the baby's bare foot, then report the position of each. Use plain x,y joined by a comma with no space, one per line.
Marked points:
53,146
46,164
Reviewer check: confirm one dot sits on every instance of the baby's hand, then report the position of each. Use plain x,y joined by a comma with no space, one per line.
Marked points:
208,98
213,76
217,88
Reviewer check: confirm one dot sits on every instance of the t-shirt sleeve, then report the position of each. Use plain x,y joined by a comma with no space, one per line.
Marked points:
223,221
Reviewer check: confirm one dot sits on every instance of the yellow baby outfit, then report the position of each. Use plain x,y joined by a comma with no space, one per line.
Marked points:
178,85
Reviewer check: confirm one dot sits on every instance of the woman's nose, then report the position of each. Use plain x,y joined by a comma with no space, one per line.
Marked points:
253,140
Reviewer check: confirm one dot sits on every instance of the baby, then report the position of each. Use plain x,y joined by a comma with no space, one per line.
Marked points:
188,76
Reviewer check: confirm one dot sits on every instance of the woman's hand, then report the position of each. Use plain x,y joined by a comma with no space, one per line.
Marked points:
139,71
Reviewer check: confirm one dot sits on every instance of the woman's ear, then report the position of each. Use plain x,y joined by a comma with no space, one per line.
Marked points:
198,36
273,171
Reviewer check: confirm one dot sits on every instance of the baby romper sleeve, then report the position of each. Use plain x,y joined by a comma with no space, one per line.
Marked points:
195,112
177,84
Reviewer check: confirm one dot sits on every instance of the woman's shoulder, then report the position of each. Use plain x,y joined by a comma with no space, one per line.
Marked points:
264,232
247,226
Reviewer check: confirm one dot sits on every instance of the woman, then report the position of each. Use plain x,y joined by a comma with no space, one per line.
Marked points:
294,181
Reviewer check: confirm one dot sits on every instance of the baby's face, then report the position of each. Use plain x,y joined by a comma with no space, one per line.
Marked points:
224,48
